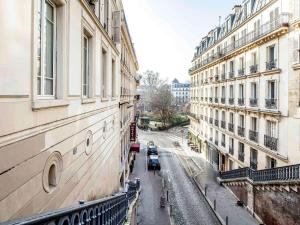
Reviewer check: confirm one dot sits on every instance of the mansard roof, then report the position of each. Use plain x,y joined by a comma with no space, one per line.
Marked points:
239,14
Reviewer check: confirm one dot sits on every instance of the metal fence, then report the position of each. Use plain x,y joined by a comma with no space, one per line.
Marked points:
286,173
107,211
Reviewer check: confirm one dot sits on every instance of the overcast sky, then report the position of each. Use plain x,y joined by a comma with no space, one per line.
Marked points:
166,32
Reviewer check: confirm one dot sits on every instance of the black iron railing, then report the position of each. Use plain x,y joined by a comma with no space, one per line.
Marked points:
271,65
253,69
286,173
231,74
223,124
223,100
241,131
264,30
231,127
111,210
231,150
271,103
241,72
253,135
271,142
216,100
211,120
223,76
241,101
216,77
216,122
253,102
231,101
210,99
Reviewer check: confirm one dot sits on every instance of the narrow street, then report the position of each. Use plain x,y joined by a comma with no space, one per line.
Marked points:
188,205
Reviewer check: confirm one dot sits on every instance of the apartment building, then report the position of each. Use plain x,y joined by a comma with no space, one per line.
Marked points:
181,92
245,90
128,99
60,79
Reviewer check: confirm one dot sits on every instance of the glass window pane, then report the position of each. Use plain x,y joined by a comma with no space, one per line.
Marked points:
49,12
49,50
48,87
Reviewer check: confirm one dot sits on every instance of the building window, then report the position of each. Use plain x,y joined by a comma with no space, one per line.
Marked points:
231,93
241,91
231,146
87,65
113,78
271,163
104,74
271,101
46,57
253,159
106,14
241,155
271,59
271,128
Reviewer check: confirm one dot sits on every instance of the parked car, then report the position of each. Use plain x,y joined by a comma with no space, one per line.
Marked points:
152,150
153,162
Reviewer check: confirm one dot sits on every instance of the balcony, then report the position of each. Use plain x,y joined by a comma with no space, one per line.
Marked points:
253,69
216,100
223,76
211,120
211,139
231,150
216,123
271,103
231,101
201,98
231,74
206,99
210,99
201,117
271,65
251,37
241,131
231,127
216,78
223,144
241,72
223,124
223,100
253,135
241,156
253,164
253,102
241,101
216,142
271,142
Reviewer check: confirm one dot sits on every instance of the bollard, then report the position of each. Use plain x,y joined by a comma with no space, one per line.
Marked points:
215,204
226,220
205,190
167,195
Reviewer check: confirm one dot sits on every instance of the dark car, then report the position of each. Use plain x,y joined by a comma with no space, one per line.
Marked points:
152,150
153,162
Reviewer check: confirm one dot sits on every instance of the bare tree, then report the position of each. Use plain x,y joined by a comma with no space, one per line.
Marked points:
161,102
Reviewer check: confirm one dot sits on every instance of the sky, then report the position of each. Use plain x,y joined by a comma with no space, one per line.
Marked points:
166,32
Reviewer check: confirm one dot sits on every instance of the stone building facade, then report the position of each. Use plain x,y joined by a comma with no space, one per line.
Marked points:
245,90
60,79
181,92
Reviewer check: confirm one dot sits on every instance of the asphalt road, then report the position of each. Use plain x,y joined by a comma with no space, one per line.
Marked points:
188,205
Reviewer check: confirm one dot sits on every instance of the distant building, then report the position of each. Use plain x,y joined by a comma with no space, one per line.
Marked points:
181,92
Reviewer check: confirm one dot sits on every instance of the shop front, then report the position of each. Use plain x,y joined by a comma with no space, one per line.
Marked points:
213,156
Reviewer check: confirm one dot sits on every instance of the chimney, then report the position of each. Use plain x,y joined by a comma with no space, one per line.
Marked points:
236,9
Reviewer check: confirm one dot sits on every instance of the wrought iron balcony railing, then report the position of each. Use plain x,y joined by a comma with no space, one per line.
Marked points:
271,142
285,173
265,29
253,69
223,144
253,164
271,103
253,135
241,101
241,156
110,210
241,131
216,123
223,124
253,102
231,74
216,77
231,127
271,65
241,72
223,76
210,139
216,142
231,101
210,99
211,120
216,100
223,100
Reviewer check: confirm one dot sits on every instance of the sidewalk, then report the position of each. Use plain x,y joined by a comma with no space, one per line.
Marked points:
225,201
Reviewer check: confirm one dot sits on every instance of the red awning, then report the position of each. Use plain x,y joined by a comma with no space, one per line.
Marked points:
135,147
